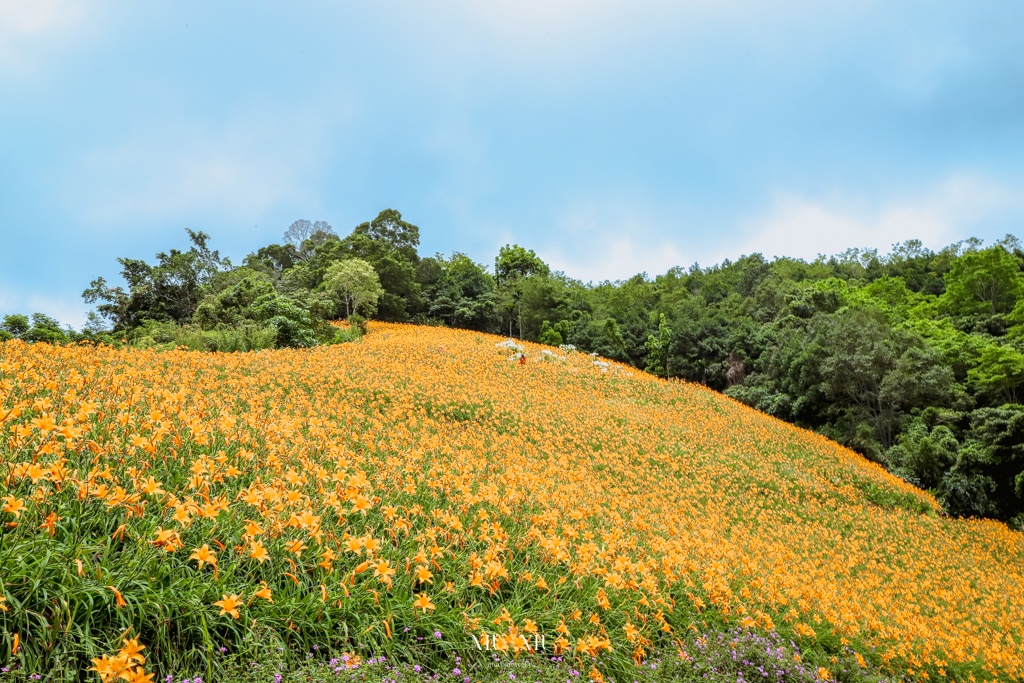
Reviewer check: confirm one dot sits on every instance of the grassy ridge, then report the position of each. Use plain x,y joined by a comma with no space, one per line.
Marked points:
420,479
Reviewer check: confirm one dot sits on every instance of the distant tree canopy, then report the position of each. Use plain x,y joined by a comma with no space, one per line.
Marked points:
304,236
915,358
41,328
167,291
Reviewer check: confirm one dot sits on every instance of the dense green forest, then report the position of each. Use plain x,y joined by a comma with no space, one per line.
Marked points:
914,358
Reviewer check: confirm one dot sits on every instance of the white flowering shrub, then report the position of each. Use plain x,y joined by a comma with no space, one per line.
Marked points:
511,345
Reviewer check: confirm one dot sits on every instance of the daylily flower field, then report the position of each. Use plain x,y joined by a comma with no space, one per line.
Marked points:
423,490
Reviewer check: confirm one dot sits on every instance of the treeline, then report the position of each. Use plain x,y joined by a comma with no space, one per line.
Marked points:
915,358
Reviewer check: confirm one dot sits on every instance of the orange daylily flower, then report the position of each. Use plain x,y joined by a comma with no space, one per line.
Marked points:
118,599
264,592
13,506
50,523
384,571
258,552
111,668
423,602
204,556
229,605
132,650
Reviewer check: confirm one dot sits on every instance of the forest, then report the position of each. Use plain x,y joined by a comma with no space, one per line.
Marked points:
913,358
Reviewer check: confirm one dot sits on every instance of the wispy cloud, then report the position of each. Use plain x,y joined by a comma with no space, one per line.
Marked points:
65,311
610,241
237,170
805,227
615,257
31,31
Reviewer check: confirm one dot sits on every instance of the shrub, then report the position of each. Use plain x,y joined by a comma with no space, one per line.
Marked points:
358,322
42,329
294,325
245,337
15,325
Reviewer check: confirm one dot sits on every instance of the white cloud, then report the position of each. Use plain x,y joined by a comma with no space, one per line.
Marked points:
32,29
27,303
609,242
803,227
616,239
33,17
236,170
66,313
549,40
608,257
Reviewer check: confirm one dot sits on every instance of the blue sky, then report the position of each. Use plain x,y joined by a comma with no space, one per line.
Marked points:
610,137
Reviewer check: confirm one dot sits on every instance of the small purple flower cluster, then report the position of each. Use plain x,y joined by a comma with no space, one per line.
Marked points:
735,656
749,656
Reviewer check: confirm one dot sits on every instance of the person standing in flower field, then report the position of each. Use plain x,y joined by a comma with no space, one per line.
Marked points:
522,359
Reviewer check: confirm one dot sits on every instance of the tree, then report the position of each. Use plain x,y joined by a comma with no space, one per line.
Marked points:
985,282
919,267
458,291
94,327
999,372
514,262
553,335
657,348
43,328
541,297
46,329
630,303
234,304
922,454
874,374
169,291
402,293
389,245
15,325
305,236
701,338
389,229
294,326
273,258
513,266
988,477
355,282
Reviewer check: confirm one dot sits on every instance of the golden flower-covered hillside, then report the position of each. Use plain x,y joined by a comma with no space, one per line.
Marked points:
432,480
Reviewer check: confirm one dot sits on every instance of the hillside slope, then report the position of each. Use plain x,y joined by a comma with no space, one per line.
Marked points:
592,502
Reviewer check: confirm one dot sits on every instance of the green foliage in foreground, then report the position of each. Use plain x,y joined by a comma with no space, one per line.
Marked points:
716,657
72,613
